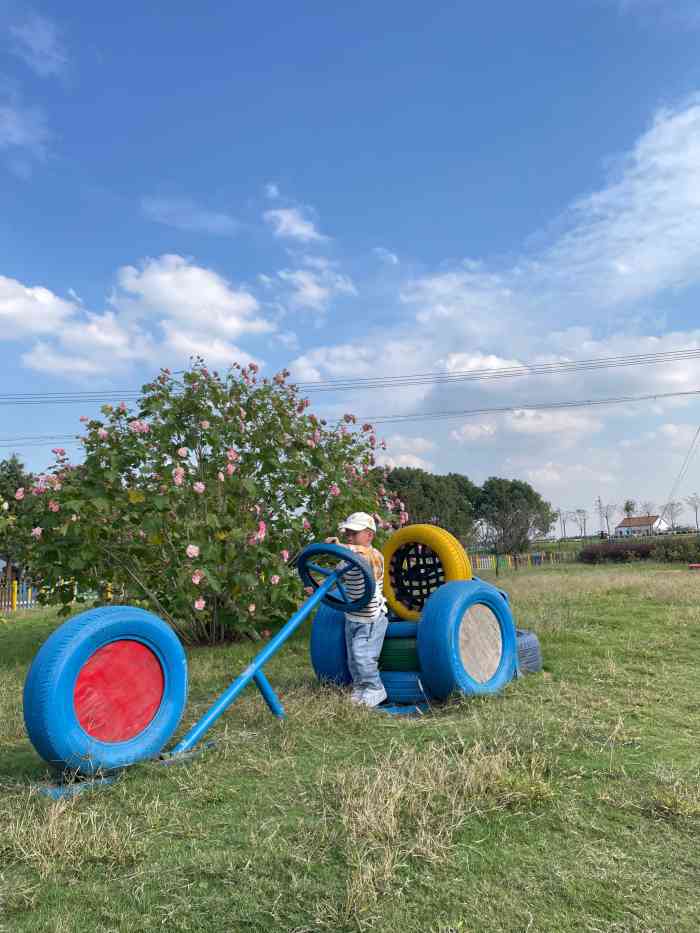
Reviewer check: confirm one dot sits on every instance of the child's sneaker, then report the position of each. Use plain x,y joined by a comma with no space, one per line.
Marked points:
374,697
357,696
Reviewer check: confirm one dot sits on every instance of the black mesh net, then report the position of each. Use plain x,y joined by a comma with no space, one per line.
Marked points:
415,572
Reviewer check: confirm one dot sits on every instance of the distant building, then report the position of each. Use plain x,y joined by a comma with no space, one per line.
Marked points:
641,525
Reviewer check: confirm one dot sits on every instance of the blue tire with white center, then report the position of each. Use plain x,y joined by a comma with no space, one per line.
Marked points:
466,640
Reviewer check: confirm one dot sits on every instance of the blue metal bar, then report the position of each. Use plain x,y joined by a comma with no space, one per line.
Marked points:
269,695
241,682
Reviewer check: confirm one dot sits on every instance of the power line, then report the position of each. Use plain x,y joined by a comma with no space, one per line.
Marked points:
378,382
526,406
682,472
508,372
36,440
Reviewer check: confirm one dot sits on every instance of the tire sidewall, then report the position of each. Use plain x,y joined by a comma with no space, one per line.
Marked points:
327,646
438,639
50,716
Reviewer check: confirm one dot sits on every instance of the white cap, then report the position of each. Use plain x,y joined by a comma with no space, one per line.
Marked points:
358,521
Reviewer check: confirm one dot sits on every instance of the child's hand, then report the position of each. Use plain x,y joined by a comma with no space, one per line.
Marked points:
332,540
309,590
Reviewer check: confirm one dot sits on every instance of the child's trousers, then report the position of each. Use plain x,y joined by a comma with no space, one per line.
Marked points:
364,642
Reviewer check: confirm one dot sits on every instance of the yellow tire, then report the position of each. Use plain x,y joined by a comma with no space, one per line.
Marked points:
417,560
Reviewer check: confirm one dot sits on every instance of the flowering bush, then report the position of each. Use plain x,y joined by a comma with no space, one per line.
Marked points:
195,503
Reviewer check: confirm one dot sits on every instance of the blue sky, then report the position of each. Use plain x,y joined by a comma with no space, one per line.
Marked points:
380,189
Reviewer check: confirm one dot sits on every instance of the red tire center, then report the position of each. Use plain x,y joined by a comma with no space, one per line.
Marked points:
118,691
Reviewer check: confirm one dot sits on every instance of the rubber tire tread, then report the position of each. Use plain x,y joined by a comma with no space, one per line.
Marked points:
49,714
399,654
529,652
438,639
404,687
454,559
329,656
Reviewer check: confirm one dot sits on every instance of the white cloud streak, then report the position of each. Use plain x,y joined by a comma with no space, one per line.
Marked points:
185,214
37,41
289,223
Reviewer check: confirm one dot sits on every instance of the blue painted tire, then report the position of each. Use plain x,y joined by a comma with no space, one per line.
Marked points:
443,669
329,657
529,652
310,571
49,709
405,687
402,630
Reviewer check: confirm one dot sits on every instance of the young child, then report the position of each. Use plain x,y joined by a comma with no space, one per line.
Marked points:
365,628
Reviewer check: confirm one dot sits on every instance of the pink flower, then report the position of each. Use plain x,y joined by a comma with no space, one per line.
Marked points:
54,506
285,555
84,418
37,532
59,451
262,531
230,468
403,517
311,442
192,550
372,441
19,495
199,487
367,426
253,367
242,411
305,524
199,604
274,579
279,379
204,425
349,419
102,434
182,452
232,454
251,608
220,476
178,476
334,490
197,577
121,406
139,427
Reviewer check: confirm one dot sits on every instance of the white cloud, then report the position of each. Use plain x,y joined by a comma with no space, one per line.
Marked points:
289,223
31,311
172,287
37,42
91,345
471,433
22,128
314,290
404,460
217,352
386,256
561,423
402,442
185,214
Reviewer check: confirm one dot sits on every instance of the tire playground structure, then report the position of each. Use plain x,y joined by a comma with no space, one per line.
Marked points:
108,688
449,632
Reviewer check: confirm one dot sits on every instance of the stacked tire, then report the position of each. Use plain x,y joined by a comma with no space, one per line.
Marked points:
448,633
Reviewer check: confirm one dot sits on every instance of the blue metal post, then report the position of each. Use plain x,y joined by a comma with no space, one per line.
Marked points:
254,672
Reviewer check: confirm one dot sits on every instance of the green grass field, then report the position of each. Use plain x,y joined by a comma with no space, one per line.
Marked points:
569,802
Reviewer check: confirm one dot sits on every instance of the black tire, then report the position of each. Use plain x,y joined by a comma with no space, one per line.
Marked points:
529,652
399,654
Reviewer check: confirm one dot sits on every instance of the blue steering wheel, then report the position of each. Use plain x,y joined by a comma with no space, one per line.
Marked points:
312,571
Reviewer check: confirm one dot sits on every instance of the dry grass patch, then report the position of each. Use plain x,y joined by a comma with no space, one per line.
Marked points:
409,805
60,836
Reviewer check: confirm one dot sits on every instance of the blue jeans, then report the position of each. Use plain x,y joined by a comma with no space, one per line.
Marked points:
364,642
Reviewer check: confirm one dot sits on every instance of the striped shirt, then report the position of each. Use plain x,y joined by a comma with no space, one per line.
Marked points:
354,585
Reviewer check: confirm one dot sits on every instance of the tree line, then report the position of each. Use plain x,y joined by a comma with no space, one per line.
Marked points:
609,513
